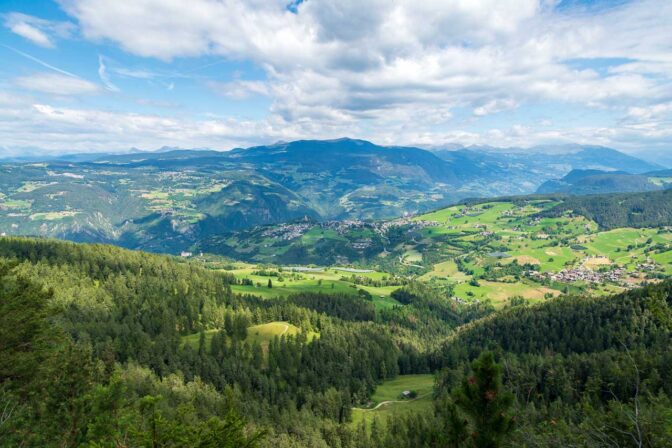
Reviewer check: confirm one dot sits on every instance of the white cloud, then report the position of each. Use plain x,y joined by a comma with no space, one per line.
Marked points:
56,84
495,106
104,77
36,30
77,129
401,71
31,33
461,49
657,111
240,89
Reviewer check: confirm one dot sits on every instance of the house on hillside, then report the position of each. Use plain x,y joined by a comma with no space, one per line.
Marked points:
409,394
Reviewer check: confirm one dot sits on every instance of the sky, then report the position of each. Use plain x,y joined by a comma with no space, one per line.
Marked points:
100,75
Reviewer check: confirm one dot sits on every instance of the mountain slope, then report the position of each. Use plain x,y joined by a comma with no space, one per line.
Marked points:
584,364
170,199
652,209
581,182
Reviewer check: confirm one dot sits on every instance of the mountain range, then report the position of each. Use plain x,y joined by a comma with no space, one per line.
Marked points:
581,182
166,200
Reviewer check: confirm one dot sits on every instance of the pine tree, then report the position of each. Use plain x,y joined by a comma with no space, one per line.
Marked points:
485,403
228,324
455,425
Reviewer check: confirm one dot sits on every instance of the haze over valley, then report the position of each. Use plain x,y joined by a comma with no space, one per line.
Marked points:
168,201
351,224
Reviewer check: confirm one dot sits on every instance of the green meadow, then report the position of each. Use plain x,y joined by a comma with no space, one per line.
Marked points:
387,400
327,281
470,234
461,244
261,334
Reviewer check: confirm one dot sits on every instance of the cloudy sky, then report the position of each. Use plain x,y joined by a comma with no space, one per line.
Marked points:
100,75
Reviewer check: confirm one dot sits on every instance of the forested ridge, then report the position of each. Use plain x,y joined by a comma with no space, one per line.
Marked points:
610,211
93,353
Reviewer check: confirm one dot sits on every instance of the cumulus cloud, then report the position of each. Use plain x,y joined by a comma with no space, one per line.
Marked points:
79,129
494,106
400,71
462,50
56,84
656,111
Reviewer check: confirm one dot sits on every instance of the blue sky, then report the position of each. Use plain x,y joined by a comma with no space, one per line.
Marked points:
95,75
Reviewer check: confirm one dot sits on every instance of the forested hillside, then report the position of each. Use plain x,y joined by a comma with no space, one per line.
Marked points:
652,209
173,200
107,347
587,371
108,327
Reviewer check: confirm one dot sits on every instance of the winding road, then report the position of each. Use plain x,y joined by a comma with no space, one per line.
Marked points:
382,403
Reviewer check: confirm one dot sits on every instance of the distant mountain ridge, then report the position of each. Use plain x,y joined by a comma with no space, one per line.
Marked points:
165,200
582,182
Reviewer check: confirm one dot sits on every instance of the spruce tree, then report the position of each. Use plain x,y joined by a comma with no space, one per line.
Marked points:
485,403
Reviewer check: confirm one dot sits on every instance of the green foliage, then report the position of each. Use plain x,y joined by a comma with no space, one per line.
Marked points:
25,335
652,209
93,353
485,403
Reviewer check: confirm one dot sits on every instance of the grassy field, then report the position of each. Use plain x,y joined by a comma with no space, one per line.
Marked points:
264,333
261,334
499,292
53,216
16,204
328,281
387,400
471,233
445,270
459,243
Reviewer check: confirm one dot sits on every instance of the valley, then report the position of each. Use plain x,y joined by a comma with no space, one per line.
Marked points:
336,304
335,224
171,200
494,251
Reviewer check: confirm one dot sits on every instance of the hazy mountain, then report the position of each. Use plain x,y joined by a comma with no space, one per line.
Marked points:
556,159
166,199
658,156
580,182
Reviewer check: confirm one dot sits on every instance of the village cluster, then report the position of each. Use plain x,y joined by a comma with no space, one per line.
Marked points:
585,274
287,232
581,274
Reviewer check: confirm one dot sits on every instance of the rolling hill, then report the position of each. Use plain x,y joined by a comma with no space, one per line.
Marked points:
582,182
530,247
168,200
125,345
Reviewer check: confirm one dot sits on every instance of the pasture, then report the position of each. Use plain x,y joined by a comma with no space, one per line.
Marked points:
386,400
500,292
328,281
261,334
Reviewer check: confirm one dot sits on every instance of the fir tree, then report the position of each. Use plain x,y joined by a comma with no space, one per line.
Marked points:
485,403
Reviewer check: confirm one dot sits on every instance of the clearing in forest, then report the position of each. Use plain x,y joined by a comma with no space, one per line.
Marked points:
387,398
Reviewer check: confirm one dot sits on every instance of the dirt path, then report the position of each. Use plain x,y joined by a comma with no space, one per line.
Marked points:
403,261
382,403
285,330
